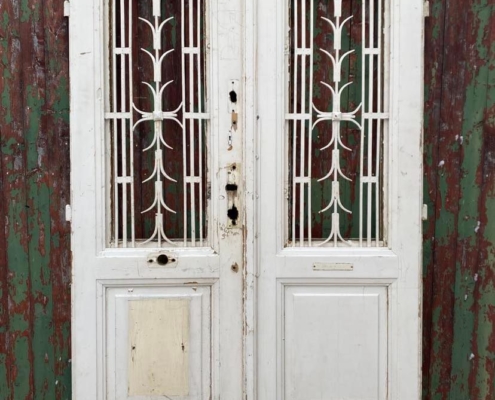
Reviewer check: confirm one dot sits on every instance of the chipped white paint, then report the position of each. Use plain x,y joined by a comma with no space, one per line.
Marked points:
158,347
478,227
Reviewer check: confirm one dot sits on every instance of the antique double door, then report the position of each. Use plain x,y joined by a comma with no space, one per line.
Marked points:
246,199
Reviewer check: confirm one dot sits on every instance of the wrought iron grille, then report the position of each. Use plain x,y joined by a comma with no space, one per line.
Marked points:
157,123
336,123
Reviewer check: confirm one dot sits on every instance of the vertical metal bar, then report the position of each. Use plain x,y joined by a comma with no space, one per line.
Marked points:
200,124
192,171
370,121
115,135
310,122
378,126
184,127
336,132
131,136
294,123
302,155
160,222
386,99
123,122
363,121
336,162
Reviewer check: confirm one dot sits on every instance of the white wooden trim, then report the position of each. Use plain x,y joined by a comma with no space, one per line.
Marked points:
406,165
251,172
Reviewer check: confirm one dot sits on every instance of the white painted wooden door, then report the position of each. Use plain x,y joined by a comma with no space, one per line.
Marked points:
157,194
247,221
338,238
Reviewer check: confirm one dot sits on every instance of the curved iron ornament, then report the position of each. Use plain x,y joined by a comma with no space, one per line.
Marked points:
369,118
189,116
336,116
158,116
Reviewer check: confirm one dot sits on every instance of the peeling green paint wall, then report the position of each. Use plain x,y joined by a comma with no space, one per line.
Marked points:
34,188
459,237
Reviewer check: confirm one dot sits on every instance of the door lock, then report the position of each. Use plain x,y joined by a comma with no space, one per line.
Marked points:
233,214
232,189
162,259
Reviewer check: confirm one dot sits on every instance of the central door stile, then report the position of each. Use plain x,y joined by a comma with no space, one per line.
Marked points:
252,126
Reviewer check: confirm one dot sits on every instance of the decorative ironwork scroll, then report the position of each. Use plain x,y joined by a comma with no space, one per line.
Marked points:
148,117
335,194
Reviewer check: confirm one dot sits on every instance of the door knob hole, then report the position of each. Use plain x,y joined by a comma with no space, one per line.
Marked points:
162,259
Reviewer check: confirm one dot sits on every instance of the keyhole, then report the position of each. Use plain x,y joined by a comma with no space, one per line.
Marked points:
233,96
233,214
162,259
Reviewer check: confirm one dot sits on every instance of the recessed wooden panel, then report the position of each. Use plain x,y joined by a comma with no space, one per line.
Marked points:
158,343
335,343
159,347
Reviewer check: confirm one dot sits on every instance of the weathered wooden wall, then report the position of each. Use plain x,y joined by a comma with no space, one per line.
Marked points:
459,238
459,253
34,188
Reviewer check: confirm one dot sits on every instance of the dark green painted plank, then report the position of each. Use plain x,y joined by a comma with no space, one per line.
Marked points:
18,346
446,207
434,42
35,267
483,375
467,263
38,222
459,351
57,137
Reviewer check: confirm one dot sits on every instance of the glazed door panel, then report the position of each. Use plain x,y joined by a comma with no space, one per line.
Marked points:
339,238
157,199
